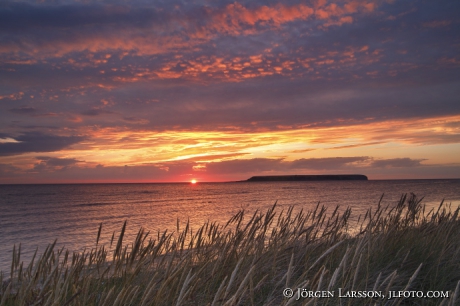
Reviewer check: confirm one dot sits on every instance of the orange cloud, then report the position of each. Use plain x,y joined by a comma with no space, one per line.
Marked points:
13,96
184,152
239,68
116,146
234,19
277,14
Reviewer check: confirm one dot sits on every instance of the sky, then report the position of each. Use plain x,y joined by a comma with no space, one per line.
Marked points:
167,91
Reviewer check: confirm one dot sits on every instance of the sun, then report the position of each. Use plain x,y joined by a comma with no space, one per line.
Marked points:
193,181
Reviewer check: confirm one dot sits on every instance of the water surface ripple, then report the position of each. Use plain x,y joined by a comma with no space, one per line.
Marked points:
36,215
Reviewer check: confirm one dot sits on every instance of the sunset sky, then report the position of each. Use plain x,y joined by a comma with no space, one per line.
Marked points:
170,90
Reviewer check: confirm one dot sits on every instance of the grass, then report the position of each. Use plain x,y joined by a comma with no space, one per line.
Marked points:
252,258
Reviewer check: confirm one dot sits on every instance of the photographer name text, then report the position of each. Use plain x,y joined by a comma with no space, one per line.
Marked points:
302,293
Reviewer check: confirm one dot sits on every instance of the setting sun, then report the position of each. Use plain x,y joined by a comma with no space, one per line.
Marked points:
193,181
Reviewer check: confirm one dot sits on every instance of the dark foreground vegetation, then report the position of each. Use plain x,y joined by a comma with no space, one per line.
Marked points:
253,258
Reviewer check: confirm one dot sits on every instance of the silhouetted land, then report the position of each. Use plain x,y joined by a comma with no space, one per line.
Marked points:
291,178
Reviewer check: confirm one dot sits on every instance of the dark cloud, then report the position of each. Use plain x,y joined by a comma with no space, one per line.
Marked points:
245,166
327,163
51,169
397,163
25,110
153,174
74,173
273,103
21,16
267,165
37,142
241,169
57,162
95,112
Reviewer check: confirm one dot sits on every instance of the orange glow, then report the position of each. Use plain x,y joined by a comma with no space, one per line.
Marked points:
119,147
181,155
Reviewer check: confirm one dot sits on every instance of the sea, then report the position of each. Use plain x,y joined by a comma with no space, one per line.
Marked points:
33,216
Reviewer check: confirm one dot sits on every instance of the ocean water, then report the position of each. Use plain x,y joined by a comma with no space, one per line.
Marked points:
36,215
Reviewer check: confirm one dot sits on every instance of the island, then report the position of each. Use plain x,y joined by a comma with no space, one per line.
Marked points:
297,178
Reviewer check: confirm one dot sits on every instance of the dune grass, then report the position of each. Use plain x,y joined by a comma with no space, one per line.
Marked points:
252,258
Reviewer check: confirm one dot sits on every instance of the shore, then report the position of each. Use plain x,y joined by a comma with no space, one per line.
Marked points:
400,255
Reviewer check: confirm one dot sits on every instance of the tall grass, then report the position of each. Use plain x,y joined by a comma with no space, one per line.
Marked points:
252,258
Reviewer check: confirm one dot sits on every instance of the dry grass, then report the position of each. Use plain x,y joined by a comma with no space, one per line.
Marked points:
251,259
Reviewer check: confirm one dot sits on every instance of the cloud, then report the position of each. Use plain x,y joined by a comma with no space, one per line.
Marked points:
357,145
37,142
84,173
298,77
57,162
245,166
205,72
327,163
264,165
397,163
8,171
95,112
76,27
24,110
301,151
13,96
52,169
